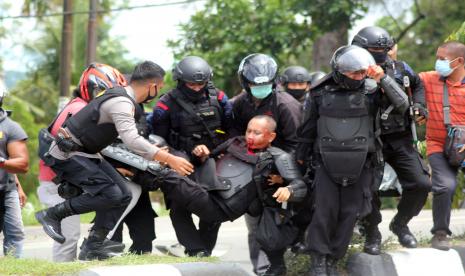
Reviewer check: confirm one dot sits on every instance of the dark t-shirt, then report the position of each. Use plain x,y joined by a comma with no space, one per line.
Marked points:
10,131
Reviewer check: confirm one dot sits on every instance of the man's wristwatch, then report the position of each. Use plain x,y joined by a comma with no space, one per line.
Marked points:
2,161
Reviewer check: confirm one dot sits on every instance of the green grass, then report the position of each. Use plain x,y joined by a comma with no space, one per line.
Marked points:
38,267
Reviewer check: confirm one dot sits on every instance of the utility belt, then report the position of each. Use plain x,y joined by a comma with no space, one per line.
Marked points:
65,143
188,143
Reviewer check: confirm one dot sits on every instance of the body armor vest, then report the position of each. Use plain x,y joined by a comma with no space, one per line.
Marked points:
195,123
84,124
345,134
391,120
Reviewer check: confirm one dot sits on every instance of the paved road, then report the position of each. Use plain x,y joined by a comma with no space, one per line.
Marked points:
232,240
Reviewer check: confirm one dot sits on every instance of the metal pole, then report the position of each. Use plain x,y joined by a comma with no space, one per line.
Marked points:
66,52
92,32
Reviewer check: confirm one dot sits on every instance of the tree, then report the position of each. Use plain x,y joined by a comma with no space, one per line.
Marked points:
418,46
333,20
225,32
34,99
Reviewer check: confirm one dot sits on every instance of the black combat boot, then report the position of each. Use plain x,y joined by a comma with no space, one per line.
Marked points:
51,219
331,266
399,227
275,270
318,265
116,247
94,248
372,241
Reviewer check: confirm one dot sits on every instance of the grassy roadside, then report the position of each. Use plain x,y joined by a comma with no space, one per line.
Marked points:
298,264
38,267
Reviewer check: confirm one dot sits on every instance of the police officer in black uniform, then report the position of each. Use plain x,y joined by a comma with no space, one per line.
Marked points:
74,157
194,113
257,74
398,143
339,130
296,81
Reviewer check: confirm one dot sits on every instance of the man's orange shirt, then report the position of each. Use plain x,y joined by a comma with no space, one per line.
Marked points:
435,128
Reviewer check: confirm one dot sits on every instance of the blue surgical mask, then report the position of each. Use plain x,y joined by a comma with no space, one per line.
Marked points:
443,67
261,91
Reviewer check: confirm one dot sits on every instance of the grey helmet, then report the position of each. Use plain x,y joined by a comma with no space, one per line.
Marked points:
316,76
374,37
350,58
294,74
192,69
257,69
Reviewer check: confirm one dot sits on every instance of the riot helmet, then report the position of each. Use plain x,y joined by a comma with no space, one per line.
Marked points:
257,74
294,74
96,78
316,76
376,40
192,69
350,59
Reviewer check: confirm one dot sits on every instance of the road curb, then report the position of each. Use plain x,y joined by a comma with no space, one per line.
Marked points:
181,269
403,262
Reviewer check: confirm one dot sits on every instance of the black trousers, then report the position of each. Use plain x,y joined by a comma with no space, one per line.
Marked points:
104,188
336,210
444,186
141,226
183,193
413,177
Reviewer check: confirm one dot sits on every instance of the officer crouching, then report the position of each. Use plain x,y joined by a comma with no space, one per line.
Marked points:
74,157
339,130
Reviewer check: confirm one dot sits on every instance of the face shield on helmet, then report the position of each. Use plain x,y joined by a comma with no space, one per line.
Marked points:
97,78
257,74
350,59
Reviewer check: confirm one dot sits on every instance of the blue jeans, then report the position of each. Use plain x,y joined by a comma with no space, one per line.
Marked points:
13,229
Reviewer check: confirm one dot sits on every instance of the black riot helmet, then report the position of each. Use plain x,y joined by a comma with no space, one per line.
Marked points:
192,69
374,38
257,69
316,76
350,58
294,74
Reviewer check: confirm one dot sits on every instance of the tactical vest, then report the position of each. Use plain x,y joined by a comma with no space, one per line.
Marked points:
84,124
391,120
235,168
195,123
345,133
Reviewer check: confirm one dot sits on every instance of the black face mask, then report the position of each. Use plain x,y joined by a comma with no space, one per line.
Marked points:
296,93
346,82
192,95
380,57
150,98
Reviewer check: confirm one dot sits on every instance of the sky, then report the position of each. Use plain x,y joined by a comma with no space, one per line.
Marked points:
142,42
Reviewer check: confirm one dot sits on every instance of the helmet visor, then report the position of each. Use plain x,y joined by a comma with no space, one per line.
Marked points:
355,59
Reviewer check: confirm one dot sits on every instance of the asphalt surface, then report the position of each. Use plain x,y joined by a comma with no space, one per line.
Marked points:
232,239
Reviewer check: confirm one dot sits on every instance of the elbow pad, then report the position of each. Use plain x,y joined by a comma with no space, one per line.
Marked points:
395,94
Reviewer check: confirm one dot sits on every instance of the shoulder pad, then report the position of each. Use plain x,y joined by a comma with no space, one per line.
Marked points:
276,151
323,81
370,86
